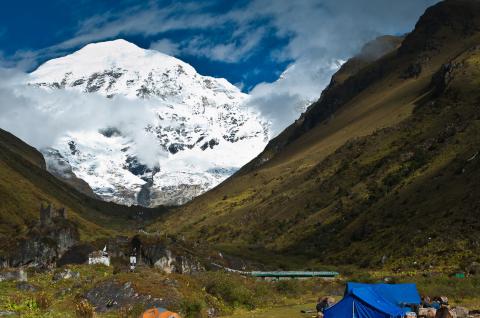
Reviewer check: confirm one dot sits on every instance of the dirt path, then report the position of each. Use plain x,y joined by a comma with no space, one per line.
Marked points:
277,312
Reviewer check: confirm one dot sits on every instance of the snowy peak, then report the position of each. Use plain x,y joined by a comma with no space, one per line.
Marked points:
120,67
199,124
110,54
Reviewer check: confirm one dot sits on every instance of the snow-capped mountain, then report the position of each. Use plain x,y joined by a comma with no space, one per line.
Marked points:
195,125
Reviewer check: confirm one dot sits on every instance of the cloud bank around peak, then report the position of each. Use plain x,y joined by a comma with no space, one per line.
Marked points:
309,36
321,36
40,117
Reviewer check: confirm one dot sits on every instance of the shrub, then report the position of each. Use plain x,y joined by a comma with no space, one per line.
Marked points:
289,287
84,309
131,311
192,308
19,303
230,288
43,300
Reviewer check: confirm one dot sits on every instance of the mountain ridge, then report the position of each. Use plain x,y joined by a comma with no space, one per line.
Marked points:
354,180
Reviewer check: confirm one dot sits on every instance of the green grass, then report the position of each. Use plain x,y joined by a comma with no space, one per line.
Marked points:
231,295
192,295
290,311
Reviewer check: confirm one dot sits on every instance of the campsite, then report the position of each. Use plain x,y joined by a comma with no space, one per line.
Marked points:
223,294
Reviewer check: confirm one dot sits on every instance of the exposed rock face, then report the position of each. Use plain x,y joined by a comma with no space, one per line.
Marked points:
78,254
46,242
169,259
197,125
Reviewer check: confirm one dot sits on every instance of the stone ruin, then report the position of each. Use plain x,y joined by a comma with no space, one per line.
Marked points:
49,213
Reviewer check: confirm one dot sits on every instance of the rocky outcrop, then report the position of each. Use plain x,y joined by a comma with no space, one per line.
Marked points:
112,295
171,263
46,242
166,256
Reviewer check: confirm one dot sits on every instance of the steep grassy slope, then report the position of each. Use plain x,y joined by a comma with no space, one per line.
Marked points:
384,164
25,184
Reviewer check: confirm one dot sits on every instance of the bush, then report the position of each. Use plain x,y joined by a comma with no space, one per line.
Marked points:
18,302
137,310
289,287
131,311
84,309
192,308
43,300
230,288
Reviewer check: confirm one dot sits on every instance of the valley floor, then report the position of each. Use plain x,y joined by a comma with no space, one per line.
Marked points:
78,291
290,311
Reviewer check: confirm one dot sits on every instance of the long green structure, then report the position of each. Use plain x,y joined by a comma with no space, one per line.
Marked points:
294,274
281,274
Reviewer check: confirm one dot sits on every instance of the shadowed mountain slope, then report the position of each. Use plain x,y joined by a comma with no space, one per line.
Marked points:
25,184
384,167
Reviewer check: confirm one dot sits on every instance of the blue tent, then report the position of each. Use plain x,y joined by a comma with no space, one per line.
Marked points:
375,301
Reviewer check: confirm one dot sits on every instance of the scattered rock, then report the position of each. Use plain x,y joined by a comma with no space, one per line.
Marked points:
211,312
26,287
65,274
4,313
14,274
63,291
461,312
473,268
413,71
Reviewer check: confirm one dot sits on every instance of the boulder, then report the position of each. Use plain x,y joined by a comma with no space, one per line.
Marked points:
78,254
26,287
112,295
461,312
65,274
13,274
473,268
7,313
426,312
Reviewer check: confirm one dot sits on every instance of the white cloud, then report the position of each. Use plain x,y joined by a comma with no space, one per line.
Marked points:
319,33
239,48
285,99
165,46
39,116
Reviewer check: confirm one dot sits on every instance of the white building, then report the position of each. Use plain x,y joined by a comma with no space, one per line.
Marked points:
99,257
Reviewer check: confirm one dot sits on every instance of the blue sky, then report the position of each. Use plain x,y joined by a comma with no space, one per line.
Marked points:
29,28
246,41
